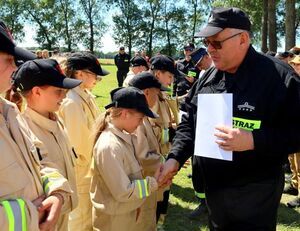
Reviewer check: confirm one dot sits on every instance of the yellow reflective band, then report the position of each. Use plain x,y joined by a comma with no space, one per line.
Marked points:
10,215
200,195
143,189
164,135
16,214
246,124
23,214
192,74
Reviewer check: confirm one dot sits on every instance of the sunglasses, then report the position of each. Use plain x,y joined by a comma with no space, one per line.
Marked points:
217,44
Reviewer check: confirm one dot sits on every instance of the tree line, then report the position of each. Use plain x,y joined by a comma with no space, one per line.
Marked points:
154,25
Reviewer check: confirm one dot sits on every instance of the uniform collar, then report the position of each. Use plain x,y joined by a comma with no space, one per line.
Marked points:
85,94
45,123
122,134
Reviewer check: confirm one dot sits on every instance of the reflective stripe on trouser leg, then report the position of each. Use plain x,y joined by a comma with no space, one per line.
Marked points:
15,210
200,195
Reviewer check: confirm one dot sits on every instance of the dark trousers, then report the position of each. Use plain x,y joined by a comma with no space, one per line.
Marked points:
252,207
121,75
197,178
162,206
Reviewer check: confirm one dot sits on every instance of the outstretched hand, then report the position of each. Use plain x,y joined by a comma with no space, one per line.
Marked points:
51,206
169,170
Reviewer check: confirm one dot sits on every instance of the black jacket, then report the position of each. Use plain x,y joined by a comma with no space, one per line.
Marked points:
264,89
122,61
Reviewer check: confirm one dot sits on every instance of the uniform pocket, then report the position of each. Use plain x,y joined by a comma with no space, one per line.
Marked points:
12,180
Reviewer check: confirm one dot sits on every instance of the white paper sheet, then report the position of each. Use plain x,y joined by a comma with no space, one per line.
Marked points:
213,110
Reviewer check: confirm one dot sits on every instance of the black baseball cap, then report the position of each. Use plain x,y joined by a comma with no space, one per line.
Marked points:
42,72
139,61
132,98
198,54
85,60
146,80
122,48
164,63
7,45
189,46
221,18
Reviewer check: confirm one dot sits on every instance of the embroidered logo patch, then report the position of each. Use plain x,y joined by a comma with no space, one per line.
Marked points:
246,107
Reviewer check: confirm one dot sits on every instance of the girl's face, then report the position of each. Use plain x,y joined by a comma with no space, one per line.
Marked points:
89,79
166,78
131,120
7,67
47,99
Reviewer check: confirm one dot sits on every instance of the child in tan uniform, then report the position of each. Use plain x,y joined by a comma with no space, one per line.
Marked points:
149,151
44,86
24,202
79,112
163,68
119,186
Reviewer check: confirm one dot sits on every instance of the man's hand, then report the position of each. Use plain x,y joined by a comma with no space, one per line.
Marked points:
52,207
234,139
169,170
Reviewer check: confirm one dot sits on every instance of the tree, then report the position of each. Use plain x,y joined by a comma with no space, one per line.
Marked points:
264,28
127,23
43,14
290,22
272,25
11,14
95,24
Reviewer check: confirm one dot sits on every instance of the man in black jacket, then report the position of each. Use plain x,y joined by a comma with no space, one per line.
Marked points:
122,61
242,194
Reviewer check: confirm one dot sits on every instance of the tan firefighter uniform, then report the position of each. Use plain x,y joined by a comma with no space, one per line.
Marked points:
148,153
51,133
118,187
161,125
295,168
21,178
79,112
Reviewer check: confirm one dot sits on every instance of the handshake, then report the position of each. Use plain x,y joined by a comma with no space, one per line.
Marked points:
165,173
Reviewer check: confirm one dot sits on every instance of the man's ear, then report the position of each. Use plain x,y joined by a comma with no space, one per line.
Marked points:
146,91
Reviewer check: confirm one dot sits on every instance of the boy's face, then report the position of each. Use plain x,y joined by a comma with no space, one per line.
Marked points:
151,96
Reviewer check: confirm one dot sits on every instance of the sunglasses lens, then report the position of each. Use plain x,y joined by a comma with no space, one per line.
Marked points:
214,44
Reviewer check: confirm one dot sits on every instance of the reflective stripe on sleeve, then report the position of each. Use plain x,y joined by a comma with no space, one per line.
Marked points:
16,214
164,135
143,188
246,124
192,74
49,179
200,195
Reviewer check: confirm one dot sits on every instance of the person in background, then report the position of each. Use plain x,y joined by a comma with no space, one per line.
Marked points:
294,187
285,56
122,61
295,50
30,198
295,63
39,54
45,54
242,194
44,86
79,112
119,187
138,64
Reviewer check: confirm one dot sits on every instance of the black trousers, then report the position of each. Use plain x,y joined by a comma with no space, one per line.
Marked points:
252,207
162,206
121,75
197,177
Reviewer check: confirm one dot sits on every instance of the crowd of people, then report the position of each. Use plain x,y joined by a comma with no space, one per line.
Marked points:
67,166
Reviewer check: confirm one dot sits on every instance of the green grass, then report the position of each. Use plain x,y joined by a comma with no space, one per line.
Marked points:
182,199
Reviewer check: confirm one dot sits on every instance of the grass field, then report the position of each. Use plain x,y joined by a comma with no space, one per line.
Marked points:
182,200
